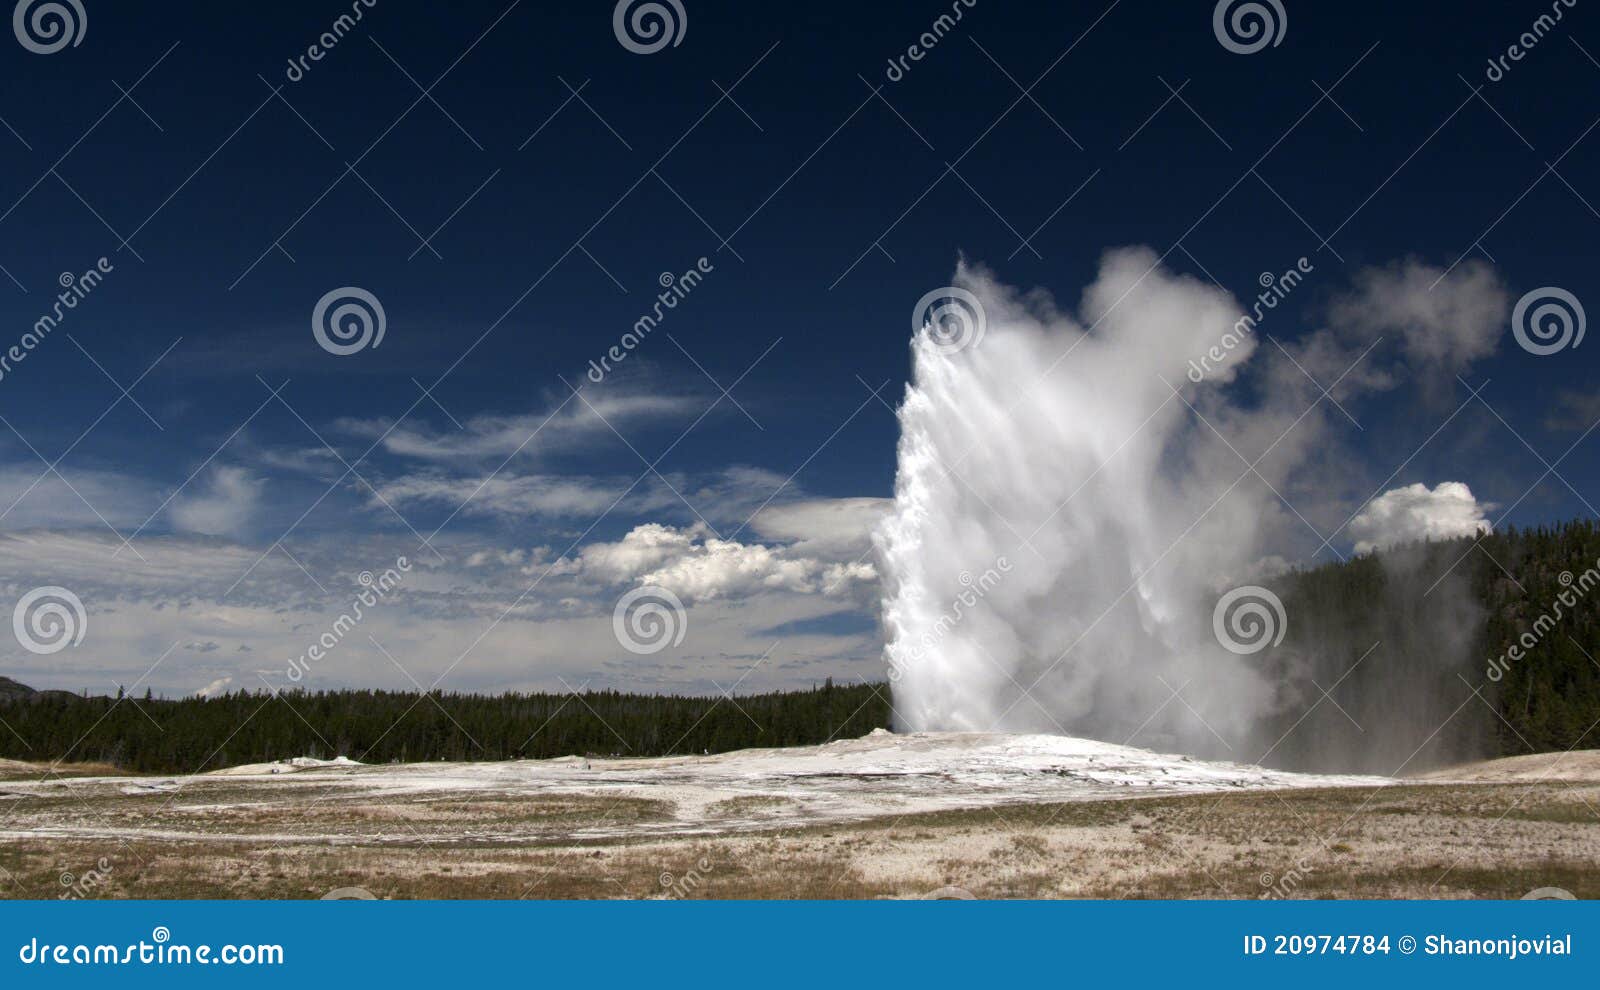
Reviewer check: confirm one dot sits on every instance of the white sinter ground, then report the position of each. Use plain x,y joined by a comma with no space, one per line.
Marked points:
855,779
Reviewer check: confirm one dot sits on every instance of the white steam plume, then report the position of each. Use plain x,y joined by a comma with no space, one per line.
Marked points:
1067,515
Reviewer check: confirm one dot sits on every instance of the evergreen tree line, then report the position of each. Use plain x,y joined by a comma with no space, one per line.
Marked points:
195,734
1550,697
1443,614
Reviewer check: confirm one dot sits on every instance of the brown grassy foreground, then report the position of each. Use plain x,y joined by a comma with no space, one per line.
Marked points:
1441,840
25,770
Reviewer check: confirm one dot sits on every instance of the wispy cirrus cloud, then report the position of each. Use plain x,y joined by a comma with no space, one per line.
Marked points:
224,502
33,497
565,425
726,497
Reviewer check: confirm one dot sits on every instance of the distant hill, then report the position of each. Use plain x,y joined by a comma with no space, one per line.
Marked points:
11,690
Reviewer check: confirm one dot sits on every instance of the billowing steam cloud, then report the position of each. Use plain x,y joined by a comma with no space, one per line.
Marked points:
1077,490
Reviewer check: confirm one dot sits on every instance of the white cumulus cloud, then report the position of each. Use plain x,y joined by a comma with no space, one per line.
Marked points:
1415,512
697,565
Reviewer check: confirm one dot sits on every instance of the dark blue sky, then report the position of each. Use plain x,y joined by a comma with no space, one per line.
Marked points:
826,198
802,72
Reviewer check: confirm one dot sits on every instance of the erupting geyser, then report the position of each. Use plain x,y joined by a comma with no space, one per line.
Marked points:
1067,514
